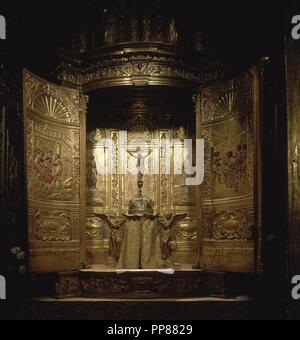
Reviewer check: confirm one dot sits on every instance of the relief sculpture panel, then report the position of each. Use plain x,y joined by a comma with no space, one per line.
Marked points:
52,122
52,162
228,190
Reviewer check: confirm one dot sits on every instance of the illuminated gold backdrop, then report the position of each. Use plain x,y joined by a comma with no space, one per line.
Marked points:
110,194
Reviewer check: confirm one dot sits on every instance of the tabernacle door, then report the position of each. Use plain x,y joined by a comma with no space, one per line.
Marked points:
232,188
54,120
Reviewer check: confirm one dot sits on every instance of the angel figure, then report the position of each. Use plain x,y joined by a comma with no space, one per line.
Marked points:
168,221
115,223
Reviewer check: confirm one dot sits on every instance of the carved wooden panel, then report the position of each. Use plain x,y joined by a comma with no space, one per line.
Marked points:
229,189
52,137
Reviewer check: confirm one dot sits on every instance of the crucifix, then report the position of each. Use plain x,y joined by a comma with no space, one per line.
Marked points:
137,154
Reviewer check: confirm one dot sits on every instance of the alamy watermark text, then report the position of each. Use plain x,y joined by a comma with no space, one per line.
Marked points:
2,288
2,27
296,27
178,157
296,288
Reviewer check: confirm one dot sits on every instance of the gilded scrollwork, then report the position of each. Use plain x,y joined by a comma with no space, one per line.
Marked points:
149,286
53,227
102,286
164,178
233,225
67,251
95,229
187,230
115,181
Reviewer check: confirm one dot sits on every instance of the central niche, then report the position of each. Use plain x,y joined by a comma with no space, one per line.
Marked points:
161,114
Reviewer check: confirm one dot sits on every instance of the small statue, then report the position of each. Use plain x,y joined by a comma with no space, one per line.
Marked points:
110,31
92,173
199,42
168,221
115,240
146,29
173,33
141,239
134,27
79,45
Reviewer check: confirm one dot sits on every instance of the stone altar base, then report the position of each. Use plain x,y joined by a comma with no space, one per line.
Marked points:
151,284
96,283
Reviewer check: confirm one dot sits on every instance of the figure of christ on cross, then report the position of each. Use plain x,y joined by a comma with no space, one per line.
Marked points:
141,159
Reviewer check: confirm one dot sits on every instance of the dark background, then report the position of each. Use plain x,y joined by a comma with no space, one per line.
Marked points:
245,30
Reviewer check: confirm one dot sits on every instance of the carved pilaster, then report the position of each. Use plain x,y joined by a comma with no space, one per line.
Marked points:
115,174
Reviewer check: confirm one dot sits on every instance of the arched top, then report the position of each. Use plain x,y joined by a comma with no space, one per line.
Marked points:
51,107
51,101
139,129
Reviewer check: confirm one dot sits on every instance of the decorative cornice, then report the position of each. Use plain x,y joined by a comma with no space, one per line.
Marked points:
140,70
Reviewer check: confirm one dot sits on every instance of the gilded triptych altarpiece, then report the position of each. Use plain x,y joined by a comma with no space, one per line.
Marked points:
70,188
